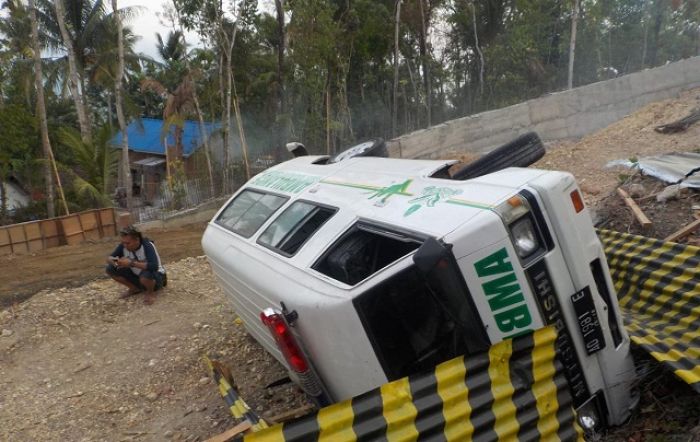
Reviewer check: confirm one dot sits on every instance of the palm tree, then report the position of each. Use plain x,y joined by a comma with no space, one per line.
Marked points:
41,111
178,104
173,49
16,29
95,164
126,170
80,101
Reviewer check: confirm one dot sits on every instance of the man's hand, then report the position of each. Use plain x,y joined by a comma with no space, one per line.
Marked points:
124,262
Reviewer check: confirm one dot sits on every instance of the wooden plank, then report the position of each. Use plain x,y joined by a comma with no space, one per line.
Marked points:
636,210
230,433
89,224
291,414
684,231
49,229
5,243
18,239
35,240
108,222
72,230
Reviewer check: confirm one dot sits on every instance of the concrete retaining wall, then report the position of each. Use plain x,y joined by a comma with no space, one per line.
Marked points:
568,114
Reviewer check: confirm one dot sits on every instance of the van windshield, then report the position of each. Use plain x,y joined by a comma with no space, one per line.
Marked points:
409,326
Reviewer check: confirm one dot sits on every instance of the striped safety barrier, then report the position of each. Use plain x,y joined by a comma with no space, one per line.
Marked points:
239,409
658,287
515,391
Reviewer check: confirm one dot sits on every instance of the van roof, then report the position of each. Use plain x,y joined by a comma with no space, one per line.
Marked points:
398,192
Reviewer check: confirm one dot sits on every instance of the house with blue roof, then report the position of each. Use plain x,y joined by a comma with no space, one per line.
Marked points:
147,144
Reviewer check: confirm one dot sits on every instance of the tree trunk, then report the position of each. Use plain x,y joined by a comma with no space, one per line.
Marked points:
281,45
328,115
229,44
423,38
224,122
41,111
478,50
395,106
572,45
126,169
658,19
198,109
74,81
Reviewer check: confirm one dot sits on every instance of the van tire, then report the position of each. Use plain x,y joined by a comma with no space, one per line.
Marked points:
374,147
521,152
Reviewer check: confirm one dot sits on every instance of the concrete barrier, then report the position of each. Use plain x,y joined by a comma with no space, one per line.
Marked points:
569,114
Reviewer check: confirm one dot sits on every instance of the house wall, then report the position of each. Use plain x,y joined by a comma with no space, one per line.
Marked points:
16,197
568,114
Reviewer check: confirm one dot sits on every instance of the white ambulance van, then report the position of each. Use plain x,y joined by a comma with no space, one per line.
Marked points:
357,270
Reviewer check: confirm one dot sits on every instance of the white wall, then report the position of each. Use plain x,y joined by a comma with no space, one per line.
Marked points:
16,197
568,114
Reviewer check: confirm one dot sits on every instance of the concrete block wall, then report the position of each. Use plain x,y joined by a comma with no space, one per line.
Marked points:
568,114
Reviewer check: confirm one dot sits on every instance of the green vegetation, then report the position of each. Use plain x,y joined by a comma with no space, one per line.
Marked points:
318,71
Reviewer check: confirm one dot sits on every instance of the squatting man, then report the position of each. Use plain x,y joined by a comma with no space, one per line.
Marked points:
136,264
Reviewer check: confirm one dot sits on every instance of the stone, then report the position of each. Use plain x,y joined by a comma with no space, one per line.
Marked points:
669,193
152,396
6,332
203,381
636,190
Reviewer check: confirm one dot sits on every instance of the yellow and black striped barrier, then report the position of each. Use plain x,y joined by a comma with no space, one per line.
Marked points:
658,286
239,409
515,391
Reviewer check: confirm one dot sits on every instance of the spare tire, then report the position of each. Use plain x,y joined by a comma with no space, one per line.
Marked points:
374,147
521,152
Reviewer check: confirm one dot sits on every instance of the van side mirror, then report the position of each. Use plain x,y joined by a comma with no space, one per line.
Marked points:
429,255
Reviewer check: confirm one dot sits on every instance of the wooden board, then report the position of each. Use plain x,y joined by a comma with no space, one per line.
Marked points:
18,239
50,231
684,231
90,225
108,222
636,210
72,230
5,245
35,240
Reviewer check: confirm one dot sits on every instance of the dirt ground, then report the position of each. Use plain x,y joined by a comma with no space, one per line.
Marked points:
77,363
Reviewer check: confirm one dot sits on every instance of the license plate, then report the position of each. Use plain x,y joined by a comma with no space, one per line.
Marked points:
587,319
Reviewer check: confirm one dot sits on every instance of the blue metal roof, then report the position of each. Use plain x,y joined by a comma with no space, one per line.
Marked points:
145,135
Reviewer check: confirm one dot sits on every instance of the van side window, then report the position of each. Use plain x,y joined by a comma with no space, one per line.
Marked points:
248,211
294,226
363,251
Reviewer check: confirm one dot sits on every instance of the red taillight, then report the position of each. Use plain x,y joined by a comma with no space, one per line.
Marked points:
285,340
577,200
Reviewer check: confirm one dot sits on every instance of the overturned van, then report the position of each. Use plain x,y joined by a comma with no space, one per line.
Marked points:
355,271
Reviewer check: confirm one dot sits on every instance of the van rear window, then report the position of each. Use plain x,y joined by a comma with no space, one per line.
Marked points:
294,226
363,251
248,211
409,326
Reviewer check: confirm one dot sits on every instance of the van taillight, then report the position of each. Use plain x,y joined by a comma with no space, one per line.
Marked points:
301,369
285,340
577,201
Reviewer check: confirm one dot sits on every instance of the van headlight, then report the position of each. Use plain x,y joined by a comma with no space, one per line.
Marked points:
517,216
525,238
588,416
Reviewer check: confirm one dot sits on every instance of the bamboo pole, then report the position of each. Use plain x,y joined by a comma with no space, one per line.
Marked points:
241,134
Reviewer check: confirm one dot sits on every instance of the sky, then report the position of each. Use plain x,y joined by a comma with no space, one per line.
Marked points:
147,23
